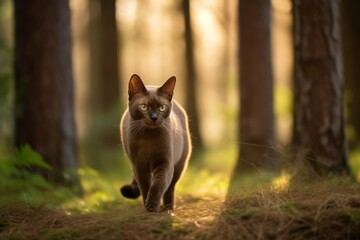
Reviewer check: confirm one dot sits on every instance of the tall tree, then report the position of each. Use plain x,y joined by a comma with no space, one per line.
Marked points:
318,85
110,91
44,116
351,39
104,96
256,130
191,79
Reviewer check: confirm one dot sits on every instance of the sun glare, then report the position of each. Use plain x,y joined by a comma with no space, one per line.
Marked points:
281,182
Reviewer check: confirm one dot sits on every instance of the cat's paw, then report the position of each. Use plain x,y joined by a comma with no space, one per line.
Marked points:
130,191
167,208
151,207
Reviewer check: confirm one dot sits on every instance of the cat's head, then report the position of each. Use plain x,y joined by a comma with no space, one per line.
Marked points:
149,104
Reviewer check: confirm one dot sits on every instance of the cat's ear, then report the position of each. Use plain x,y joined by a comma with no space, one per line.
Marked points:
168,87
136,86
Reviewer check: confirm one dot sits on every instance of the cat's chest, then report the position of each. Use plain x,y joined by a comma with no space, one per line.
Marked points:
149,144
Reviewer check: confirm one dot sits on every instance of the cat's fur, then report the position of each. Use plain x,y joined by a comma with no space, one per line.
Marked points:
157,141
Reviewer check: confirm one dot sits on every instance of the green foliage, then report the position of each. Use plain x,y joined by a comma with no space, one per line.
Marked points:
18,181
99,193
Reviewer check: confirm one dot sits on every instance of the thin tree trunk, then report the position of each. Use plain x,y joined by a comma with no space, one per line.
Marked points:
95,62
104,97
44,84
110,91
351,45
318,85
191,80
256,87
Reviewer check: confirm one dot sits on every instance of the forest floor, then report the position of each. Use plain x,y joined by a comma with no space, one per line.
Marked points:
323,210
263,206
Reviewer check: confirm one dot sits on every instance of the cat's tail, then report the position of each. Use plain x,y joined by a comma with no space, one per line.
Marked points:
130,190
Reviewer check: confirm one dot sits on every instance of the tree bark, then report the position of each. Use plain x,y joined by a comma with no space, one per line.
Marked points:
318,85
44,116
191,80
256,129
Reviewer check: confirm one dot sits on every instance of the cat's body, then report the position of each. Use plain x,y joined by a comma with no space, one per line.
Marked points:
156,139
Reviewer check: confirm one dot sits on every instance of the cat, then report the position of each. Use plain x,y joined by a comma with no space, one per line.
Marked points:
155,136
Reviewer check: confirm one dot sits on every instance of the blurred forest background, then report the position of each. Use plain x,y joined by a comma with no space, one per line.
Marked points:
266,85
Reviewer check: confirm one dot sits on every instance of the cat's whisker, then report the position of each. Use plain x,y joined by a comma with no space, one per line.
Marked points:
166,129
168,126
141,128
136,127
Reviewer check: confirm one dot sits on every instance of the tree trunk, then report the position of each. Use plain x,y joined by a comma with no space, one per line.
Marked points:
44,85
318,85
351,45
256,87
191,80
110,91
95,62
104,96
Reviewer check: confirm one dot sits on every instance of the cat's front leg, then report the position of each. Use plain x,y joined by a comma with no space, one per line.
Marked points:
169,198
160,181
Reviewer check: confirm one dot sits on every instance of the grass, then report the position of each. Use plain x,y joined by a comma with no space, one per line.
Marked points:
319,210
316,211
275,209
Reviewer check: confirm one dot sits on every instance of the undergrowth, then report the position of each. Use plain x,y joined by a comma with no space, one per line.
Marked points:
17,180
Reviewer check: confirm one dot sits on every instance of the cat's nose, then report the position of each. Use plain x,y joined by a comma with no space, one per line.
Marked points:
154,117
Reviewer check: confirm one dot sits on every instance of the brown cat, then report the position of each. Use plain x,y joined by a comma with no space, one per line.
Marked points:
155,136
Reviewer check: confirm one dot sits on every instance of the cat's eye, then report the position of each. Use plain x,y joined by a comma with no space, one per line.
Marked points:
144,107
162,108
